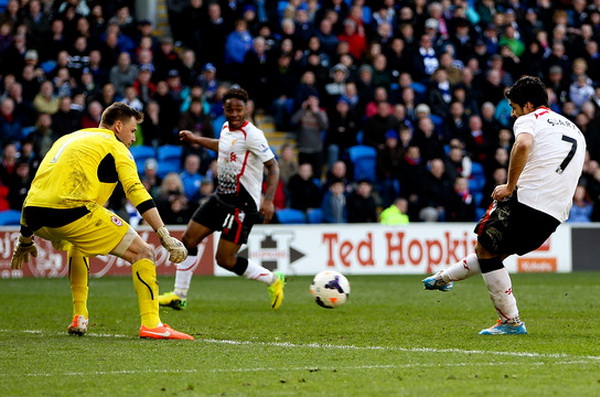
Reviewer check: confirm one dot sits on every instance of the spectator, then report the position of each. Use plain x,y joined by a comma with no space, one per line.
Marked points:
461,205
435,192
288,166
19,185
439,93
91,118
123,74
172,202
334,206
8,163
191,177
237,44
361,205
342,131
216,28
43,136
131,99
150,177
354,35
335,87
24,110
66,119
169,112
395,214
389,165
255,72
428,139
196,120
311,121
425,60
45,101
303,191
166,59
582,208
377,125
581,90
338,172
10,125
282,80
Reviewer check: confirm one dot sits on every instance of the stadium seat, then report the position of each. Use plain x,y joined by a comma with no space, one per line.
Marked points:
10,217
169,159
364,159
217,125
141,153
290,216
315,215
477,179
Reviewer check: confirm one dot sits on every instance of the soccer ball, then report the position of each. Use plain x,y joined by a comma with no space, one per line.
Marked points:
330,289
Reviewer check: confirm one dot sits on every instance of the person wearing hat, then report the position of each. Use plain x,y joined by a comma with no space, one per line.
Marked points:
166,59
338,75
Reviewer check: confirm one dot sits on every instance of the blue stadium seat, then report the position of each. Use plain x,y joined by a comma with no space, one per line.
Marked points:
10,217
290,216
141,153
477,179
315,215
364,159
218,124
169,159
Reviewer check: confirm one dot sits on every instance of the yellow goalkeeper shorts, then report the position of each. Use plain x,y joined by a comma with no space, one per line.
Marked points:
98,233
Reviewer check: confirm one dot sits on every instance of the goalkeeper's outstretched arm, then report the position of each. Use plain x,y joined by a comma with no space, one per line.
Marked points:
175,247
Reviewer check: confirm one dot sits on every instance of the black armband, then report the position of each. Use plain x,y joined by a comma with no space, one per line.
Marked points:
145,206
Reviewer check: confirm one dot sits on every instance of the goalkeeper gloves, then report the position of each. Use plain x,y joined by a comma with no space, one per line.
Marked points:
175,247
24,247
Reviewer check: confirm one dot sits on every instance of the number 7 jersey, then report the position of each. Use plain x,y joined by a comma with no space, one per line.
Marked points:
554,166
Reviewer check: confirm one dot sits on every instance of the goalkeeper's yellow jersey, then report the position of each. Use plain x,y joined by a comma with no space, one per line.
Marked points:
82,170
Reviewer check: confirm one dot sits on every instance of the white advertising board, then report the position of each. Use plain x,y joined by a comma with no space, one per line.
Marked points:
419,248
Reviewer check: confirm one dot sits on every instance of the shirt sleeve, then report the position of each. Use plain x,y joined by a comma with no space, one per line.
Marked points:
524,125
128,176
257,143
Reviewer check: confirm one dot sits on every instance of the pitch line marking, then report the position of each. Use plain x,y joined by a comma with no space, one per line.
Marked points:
279,369
341,347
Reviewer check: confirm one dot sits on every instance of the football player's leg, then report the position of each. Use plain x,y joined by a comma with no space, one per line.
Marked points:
443,280
193,235
227,258
78,280
499,286
143,269
141,257
464,268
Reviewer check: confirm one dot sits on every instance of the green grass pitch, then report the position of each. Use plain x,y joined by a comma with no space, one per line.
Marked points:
392,338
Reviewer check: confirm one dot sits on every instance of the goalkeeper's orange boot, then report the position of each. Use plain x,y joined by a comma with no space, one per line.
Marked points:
78,325
163,331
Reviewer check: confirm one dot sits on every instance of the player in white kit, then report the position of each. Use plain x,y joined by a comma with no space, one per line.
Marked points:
236,204
545,165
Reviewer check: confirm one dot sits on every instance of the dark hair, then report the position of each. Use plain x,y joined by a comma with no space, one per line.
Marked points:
528,89
238,93
119,111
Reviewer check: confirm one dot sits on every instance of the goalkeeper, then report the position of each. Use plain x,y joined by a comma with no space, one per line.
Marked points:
65,205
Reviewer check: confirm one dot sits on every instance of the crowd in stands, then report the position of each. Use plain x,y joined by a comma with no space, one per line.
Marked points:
420,83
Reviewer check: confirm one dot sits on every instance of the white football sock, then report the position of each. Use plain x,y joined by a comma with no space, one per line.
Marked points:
254,271
499,287
183,276
464,268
